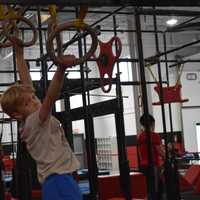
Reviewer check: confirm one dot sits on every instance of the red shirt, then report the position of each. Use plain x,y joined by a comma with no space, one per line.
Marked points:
143,152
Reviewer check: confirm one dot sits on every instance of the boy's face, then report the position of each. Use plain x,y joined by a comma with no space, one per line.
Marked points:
30,104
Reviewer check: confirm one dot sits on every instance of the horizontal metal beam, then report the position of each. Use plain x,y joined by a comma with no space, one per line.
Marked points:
168,12
142,11
105,2
98,109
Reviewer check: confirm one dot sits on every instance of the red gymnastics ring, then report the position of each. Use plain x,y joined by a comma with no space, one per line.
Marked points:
106,61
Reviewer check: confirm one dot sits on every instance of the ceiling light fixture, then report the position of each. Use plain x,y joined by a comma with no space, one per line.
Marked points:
171,22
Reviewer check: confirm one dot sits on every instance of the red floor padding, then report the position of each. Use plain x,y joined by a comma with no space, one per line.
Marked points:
192,174
184,184
191,179
109,186
197,186
35,194
7,196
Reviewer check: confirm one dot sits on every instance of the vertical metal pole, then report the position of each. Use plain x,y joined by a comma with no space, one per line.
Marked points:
24,192
173,159
15,171
167,75
168,168
44,67
12,141
89,131
23,173
86,72
91,123
67,122
2,183
125,180
151,179
160,81
14,65
135,73
15,80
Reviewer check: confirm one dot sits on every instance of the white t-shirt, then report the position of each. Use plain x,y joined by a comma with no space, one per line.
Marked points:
47,144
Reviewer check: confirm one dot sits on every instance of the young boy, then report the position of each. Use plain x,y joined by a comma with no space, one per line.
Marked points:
42,133
157,152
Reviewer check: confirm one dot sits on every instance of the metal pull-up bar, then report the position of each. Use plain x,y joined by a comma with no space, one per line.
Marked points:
155,59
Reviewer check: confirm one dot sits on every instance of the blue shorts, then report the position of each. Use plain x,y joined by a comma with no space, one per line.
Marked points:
60,187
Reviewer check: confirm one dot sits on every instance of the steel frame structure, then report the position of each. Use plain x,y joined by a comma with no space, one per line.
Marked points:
85,81
104,2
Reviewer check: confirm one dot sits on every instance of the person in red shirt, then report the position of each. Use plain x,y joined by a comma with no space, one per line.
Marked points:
157,153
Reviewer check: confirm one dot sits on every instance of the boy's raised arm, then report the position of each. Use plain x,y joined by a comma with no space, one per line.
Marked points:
55,88
22,67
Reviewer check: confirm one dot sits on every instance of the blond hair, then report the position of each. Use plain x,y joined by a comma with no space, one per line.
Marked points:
13,97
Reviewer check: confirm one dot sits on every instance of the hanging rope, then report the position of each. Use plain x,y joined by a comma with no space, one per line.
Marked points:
152,61
152,74
155,60
180,71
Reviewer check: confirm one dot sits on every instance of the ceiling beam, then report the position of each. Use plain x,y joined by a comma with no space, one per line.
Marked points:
105,2
168,12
